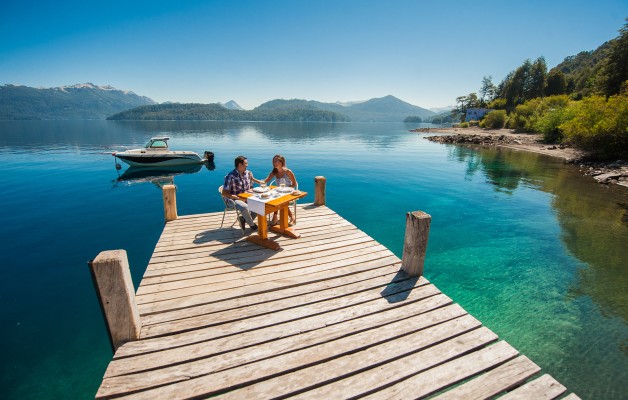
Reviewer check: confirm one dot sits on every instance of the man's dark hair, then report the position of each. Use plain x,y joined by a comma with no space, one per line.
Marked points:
239,160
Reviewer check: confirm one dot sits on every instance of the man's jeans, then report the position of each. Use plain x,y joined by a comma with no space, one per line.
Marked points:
244,210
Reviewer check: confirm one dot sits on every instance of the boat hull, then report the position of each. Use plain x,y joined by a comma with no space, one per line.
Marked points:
155,160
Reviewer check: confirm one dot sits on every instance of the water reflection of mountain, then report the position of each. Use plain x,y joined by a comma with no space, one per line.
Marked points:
157,175
591,217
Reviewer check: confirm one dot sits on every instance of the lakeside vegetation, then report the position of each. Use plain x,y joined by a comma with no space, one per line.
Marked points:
582,102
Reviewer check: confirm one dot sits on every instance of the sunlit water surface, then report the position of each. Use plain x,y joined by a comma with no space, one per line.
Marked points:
523,242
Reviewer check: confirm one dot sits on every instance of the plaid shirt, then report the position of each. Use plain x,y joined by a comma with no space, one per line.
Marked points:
236,183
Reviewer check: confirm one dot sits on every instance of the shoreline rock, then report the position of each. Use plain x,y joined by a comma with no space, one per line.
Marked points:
615,172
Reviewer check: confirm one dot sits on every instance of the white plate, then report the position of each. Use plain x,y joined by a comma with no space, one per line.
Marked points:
285,190
260,190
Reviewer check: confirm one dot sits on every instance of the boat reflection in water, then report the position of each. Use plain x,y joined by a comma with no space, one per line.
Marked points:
158,175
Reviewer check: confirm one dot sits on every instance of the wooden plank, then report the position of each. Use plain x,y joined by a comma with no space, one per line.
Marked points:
272,340
252,277
229,246
264,256
310,225
248,287
191,241
543,388
259,310
281,316
166,285
291,291
208,228
337,356
246,260
229,254
285,354
444,375
494,382
214,265
193,273
377,358
289,327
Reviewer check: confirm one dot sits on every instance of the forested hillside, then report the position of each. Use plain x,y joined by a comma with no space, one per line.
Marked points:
582,102
217,112
84,101
385,109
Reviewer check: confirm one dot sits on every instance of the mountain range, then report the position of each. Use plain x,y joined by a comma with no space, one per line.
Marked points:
384,109
88,101
81,101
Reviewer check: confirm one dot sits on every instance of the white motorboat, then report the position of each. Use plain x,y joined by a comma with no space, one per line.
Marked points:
156,153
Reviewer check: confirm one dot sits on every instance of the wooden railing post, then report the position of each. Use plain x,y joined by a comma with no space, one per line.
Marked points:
415,242
112,280
319,190
170,202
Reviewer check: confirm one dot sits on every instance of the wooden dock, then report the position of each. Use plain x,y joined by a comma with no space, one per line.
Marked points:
328,316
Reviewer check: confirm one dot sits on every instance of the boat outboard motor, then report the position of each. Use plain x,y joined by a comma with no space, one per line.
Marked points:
209,156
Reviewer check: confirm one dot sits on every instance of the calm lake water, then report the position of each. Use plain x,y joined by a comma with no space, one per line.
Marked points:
523,242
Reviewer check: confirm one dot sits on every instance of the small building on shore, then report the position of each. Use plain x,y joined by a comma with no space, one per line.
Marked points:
476,114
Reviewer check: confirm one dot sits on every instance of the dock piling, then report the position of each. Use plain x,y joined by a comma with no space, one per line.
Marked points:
415,242
319,190
114,287
170,202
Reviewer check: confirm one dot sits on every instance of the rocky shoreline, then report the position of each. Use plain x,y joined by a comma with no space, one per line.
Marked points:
615,172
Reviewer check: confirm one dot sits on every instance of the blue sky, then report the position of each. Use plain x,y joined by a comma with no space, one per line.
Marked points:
424,52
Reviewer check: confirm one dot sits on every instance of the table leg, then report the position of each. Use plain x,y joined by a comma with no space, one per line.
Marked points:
262,228
261,238
283,227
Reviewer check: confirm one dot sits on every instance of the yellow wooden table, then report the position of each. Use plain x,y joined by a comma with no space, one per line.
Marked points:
279,204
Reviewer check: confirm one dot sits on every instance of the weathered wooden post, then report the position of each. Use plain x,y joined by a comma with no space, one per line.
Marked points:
319,190
112,280
415,242
170,202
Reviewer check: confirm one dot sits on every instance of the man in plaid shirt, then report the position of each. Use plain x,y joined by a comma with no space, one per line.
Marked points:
238,181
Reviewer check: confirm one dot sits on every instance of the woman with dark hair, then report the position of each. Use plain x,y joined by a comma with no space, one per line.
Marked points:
279,172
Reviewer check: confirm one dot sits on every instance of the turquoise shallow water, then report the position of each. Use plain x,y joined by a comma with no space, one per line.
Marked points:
523,242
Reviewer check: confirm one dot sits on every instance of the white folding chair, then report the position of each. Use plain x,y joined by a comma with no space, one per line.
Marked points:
229,206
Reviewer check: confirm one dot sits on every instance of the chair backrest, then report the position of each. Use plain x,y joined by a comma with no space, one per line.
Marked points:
229,203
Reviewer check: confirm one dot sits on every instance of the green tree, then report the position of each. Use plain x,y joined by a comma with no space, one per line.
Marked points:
599,126
615,69
464,102
495,119
556,83
413,119
524,83
487,91
535,81
515,85
497,104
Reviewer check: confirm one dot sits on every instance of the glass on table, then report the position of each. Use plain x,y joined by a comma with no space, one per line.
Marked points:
282,184
263,185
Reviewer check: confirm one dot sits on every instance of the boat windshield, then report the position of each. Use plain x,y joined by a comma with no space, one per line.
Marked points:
157,144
